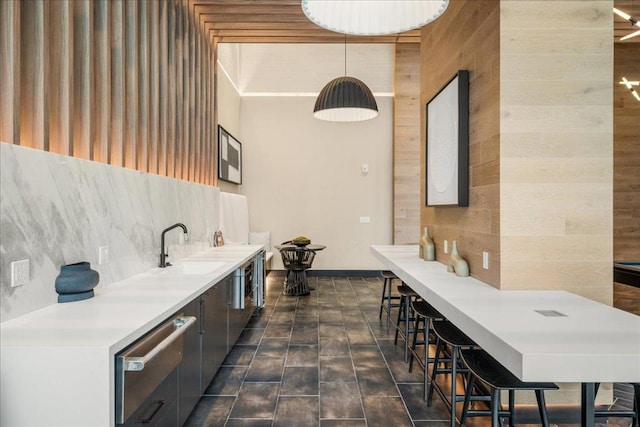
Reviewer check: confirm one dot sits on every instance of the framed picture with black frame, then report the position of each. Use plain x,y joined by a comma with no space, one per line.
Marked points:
229,157
447,144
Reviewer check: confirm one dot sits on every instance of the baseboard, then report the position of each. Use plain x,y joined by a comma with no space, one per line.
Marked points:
333,273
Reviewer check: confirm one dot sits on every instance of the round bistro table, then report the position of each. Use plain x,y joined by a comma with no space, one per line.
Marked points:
297,260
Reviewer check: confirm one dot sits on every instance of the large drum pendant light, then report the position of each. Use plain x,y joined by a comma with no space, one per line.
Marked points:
373,17
345,99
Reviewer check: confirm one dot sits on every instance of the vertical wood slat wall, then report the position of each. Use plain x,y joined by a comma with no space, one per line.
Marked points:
123,82
626,158
406,144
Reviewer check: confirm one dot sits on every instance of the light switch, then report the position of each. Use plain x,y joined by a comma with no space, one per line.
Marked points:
20,273
365,168
365,220
485,260
446,246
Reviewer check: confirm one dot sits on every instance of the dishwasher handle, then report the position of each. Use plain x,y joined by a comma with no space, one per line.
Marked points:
136,363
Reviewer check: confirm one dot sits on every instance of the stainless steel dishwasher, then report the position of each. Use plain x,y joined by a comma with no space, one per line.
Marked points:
146,376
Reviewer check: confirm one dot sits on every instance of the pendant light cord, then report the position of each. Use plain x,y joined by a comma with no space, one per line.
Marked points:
345,55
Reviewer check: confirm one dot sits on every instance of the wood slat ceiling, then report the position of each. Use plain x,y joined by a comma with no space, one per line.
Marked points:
275,21
282,21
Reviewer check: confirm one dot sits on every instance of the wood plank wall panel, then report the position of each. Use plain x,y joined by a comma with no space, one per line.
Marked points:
209,137
556,147
163,99
626,166
171,92
31,85
153,153
117,28
195,91
101,78
406,144
142,160
467,36
190,55
124,82
179,98
59,76
214,62
83,98
186,32
9,69
131,84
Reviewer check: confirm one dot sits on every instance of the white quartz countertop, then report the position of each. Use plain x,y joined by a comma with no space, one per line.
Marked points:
57,363
123,311
589,342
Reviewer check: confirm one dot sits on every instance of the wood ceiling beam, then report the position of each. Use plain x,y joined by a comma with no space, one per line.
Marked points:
300,33
312,39
248,9
231,3
293,38
263,25
242,17
283,21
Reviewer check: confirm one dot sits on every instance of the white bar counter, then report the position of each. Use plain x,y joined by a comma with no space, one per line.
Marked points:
57,364
592,342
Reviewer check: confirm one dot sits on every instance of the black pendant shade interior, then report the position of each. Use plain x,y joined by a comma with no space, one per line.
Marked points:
345,99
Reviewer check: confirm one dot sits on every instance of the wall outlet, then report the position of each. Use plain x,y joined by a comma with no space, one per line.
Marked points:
20,273
446,246
485,260
103,255
365,220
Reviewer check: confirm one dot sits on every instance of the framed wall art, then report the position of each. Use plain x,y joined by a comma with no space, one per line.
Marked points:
229,157
447,144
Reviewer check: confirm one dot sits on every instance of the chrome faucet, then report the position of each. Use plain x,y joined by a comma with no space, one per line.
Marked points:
163,255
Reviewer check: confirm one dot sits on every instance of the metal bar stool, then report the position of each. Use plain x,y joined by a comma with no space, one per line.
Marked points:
449,335
488,370
633,414
385,301
425,313
405,316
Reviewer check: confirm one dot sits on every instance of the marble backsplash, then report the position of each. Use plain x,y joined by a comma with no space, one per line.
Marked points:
57,210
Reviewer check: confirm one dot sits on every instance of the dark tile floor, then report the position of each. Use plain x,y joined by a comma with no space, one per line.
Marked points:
626,297
320,360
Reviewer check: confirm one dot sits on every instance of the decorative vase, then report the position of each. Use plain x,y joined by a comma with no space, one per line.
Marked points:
76,282
427,248
218,240
456,263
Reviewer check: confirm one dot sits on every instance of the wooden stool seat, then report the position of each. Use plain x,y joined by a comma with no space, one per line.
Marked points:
488,370
425,309
449,335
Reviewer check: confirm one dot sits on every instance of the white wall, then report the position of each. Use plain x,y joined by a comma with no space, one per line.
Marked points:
305,68
302,176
